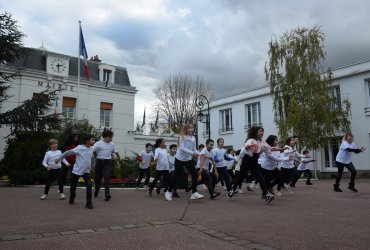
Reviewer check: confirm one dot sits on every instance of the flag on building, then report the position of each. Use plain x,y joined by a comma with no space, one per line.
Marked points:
170,121
83,52
142,125
156,119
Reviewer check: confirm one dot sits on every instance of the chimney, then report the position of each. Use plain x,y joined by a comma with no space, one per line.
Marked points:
95,59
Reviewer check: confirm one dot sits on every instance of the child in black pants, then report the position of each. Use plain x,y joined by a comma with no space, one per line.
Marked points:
54,169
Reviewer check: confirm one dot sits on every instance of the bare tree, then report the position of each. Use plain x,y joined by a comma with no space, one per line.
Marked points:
176,98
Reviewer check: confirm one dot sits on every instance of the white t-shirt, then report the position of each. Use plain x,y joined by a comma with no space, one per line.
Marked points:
207,160
171,162
256,148
289,163
343,155
146,157
50,157
240,159
186,148
104,150
229,164
303,165
270,160
161,156
84,159
219,155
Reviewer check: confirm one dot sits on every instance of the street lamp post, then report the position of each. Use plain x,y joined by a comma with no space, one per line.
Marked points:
200,101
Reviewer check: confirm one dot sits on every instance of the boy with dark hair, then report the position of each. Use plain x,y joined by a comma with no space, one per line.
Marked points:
207,166
171,165
145,157
103,151
303,168
82,167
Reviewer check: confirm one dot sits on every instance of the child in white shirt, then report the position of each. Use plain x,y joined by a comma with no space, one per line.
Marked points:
82,167
103,151
344,160
303,166
145,157
207,166
54,169
162,167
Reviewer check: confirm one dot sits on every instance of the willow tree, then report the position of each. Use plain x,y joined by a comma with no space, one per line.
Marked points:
304,101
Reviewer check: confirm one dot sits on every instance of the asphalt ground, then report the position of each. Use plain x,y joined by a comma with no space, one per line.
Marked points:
313,217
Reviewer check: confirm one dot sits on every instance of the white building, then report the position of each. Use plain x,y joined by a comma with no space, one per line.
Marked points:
106,100
231,116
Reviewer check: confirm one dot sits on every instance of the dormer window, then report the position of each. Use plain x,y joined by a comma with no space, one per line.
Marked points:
106,73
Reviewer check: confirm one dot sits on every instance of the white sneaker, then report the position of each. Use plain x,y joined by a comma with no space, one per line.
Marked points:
239,191
43,197
196,195
252,184
62,196
287,186
168,196
224,187
278,193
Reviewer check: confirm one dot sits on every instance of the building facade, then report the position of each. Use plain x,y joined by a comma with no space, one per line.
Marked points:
231,116
106,99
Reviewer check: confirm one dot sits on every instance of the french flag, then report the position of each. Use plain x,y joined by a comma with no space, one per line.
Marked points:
83,52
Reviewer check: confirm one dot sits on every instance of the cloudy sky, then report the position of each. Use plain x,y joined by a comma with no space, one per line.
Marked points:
225,41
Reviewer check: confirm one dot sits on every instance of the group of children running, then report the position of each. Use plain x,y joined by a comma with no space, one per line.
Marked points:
84,160
269,164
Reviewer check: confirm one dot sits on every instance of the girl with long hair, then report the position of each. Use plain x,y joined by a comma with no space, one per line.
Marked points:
186,151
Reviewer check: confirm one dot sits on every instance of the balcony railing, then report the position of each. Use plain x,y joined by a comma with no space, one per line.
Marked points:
249,125
227,129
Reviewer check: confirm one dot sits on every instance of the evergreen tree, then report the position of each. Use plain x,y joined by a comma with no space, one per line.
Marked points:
10,49
303,98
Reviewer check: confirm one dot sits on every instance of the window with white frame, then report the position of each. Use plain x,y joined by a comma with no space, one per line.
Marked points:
69,108
330,152
368,93
107,75
253,114
106,114
226,120
205,126
337,100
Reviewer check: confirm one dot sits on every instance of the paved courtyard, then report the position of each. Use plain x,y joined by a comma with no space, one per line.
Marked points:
313,217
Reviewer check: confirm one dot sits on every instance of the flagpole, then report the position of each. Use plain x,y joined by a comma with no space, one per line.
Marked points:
78,70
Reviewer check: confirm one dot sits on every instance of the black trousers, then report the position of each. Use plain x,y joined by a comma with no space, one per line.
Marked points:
295,176
290,175
179,172
341,167
103,168
222,173
65,171
54,174
74,180
251,163
165,177
272,177
307,172
231,174
143,172
209,180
